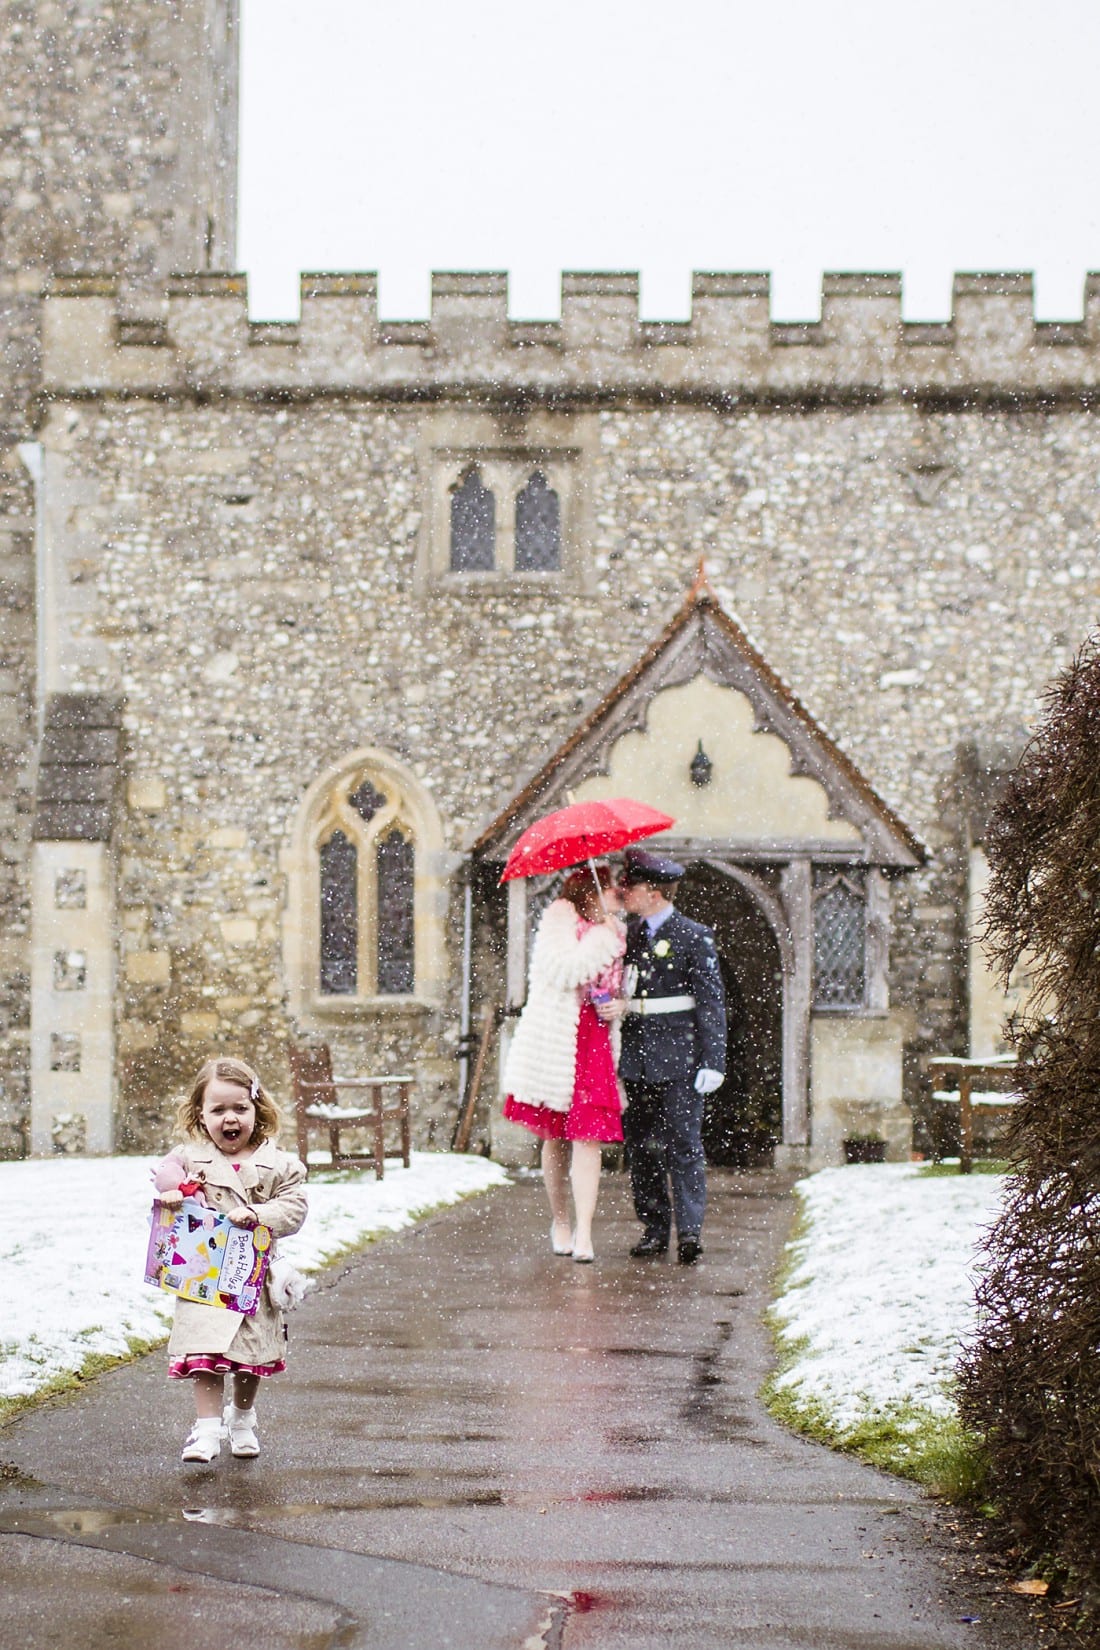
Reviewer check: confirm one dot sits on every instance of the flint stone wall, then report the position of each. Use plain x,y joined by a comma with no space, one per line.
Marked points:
915,568
118,150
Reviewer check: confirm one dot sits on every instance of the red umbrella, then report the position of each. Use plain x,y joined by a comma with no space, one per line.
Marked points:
579,832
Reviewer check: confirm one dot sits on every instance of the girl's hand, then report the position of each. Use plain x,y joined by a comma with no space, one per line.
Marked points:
612,1010
242,1217
171,1199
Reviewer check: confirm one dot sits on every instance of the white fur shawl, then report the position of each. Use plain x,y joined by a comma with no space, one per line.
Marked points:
541,1065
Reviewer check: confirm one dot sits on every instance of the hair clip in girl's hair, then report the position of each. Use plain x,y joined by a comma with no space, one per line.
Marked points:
253,1090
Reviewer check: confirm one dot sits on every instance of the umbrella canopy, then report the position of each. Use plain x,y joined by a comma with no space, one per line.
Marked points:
580,832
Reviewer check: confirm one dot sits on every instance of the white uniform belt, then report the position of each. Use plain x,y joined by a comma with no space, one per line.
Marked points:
660,1005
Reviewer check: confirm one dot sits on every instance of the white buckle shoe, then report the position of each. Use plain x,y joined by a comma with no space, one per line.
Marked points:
240,1428
204,1441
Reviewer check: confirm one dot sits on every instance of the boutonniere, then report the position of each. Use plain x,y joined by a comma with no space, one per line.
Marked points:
662,948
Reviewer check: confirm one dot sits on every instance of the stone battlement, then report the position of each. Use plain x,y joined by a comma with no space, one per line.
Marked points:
201,342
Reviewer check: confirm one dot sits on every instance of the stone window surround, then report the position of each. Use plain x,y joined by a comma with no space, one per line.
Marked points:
413,805
505,473
507,450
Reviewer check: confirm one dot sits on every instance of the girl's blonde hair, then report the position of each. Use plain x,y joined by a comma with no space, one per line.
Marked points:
230,1070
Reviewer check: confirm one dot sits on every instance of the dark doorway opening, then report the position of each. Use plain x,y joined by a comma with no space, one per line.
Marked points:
743,1119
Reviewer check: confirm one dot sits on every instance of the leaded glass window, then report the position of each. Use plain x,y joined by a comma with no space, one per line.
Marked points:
339,916
538,527
396,948
367,888
840,934
473,526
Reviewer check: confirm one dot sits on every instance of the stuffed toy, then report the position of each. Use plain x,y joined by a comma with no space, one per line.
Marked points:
287,1285
170,1175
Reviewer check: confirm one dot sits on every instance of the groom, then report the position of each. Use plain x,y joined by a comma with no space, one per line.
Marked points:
673,1054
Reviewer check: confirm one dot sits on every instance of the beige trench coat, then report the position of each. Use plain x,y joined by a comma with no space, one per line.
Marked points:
271,1184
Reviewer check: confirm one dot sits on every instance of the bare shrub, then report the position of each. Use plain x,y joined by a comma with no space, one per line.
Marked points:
1031,1381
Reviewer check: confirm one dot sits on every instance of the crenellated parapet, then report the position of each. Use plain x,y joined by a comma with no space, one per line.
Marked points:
202,343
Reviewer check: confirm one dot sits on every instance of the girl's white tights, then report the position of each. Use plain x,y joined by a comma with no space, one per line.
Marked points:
209,1396
575,1163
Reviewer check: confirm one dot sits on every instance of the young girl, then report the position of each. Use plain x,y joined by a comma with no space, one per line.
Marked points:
230,1158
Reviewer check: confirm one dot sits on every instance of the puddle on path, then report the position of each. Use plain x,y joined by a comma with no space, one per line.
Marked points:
77,1520
633,1438
244,1517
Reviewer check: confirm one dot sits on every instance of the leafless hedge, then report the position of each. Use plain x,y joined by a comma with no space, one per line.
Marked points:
1031,1381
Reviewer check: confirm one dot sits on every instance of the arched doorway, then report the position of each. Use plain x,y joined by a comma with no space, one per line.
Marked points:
743,1119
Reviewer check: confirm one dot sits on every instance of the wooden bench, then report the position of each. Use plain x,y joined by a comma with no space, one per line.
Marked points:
977,1085
317,1104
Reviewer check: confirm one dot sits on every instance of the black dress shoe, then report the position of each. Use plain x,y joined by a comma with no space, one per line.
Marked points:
648,1247
688,1251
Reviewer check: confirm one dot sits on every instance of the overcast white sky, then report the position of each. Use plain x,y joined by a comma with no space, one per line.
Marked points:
785,135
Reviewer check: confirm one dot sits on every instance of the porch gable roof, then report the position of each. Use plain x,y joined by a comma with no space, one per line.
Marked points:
702,638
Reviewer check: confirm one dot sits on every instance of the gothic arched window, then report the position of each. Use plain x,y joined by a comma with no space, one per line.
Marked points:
538,527
473,526
840,940
366,855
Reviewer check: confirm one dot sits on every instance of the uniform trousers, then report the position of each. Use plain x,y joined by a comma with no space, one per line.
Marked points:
663,1130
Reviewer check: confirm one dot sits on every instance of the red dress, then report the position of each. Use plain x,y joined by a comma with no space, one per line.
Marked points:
596,1111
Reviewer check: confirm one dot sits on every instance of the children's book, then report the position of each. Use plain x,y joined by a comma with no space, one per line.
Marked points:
197,1254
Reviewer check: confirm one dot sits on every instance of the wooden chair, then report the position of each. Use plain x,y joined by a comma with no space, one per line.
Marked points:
977,1084
317,1104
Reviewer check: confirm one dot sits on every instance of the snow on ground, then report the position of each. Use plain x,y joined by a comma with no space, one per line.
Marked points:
882,1288
73,1235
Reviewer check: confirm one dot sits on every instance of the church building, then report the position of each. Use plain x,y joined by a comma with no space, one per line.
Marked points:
301,624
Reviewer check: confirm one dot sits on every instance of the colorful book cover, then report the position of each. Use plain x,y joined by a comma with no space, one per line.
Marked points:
197,1254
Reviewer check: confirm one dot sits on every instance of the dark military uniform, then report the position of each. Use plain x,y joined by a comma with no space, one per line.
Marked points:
661,1054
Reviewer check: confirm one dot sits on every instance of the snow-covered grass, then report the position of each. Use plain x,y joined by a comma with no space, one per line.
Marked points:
876,1299
73,1235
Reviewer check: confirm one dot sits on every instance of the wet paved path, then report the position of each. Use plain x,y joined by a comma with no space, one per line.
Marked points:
479,1445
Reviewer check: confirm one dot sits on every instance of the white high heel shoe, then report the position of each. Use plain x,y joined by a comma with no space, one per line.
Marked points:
559,1248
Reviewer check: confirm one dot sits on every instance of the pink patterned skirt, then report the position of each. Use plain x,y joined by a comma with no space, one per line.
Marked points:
596,1112
216,1363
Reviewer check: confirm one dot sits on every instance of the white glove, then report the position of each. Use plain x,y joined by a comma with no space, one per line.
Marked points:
706,1081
